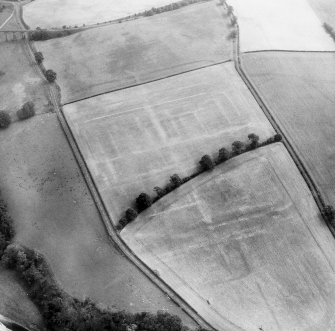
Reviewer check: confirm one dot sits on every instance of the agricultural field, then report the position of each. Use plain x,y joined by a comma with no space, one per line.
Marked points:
244,245
5,13
135,139
285,24
119,55
300,91
54,213
77,12
325,10
20,83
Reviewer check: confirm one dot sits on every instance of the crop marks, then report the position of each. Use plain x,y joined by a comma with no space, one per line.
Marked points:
299,89
120,55
134,139
244,245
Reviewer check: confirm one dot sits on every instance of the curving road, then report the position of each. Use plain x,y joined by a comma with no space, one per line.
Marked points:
113,234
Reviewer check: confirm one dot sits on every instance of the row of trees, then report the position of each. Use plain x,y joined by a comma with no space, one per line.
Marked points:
50,75
60,311
172,6
43,34
206,163
26,111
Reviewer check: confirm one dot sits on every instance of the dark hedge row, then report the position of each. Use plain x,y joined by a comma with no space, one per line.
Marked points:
206,163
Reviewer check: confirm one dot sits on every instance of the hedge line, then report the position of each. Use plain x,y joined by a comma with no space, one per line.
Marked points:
144,201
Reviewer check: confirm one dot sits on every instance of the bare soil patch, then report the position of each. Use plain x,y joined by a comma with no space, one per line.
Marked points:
244,245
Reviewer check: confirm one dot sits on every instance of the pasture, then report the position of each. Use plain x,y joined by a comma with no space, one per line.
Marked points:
119,55
244,245
5,13
300,91
134,139
78,12
54,213
285,24
325,10
19,81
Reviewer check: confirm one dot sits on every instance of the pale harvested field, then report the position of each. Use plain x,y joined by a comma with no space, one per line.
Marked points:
134,139
325,10
300,90
19,81
244,245
284,24
78,12
55,214
14,302
119,55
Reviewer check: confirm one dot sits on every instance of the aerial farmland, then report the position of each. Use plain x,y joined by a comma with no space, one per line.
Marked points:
135,139
69,12
300,90
242,242
167,166
280,25
120,55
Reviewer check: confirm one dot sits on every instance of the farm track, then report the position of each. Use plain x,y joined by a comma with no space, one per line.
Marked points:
113,234
267,111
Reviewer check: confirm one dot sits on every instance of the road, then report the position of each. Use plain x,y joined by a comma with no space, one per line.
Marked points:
267,111
113,234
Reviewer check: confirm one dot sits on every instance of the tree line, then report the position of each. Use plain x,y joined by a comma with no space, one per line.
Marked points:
206,163
170,7
60,311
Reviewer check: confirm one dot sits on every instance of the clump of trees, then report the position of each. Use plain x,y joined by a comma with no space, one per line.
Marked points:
27,111
328,213
39,58
5,120
50,75
206,163
329,29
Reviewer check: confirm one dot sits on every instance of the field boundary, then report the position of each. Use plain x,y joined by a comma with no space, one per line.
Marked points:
111,231
313,187
285,51
148,82
106,23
